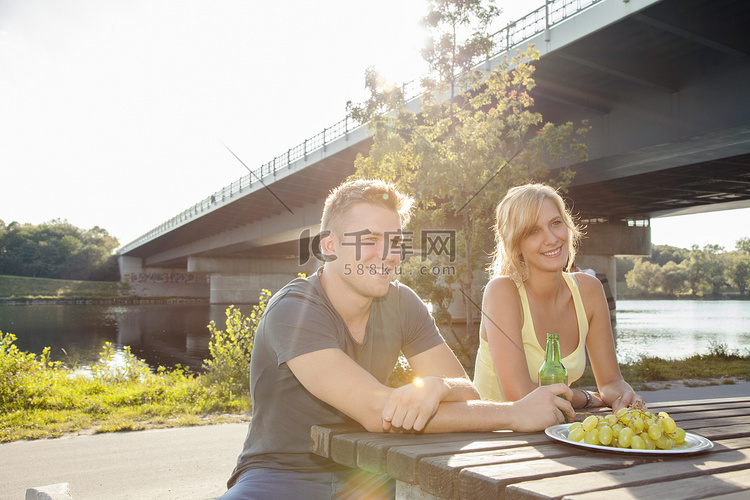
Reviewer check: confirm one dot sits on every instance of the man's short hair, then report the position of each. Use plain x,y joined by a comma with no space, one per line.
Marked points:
372,191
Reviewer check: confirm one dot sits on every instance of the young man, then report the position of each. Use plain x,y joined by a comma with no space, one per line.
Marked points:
326,345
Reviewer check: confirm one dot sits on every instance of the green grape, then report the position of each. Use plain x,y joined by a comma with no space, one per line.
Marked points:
669,424
625,437
679,436
637,424
577,434
605,435
629,428
637,443
590,423
654,431
650,444
664,442
616,430
592,437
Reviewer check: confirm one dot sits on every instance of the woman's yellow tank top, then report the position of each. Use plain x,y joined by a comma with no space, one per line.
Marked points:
485,377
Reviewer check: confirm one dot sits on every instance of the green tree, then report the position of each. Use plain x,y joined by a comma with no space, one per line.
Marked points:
706,270
743,245
738,271
645,277
458,39
56,249
661,254
461,154
673,278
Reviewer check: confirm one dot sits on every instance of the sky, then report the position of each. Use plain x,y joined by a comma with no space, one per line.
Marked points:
115,113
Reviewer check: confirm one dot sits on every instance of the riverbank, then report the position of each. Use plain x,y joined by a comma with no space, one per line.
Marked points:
21,290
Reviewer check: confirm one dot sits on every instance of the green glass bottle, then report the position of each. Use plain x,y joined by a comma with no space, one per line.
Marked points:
552,370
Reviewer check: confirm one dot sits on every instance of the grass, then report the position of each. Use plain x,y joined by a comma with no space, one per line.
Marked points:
40,398
718,366
23,288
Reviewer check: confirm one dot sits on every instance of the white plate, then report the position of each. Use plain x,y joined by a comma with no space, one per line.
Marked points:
693,443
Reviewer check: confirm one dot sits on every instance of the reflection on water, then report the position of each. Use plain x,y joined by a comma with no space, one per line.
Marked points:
680,328
161,334
170,334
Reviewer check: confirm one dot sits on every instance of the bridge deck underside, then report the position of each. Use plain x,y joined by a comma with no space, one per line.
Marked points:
662,192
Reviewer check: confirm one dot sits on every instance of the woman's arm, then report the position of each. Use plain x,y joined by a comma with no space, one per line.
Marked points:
502,321
613,390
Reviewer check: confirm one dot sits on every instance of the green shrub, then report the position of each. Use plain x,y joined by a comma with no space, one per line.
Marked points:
227,370
114,367
24,379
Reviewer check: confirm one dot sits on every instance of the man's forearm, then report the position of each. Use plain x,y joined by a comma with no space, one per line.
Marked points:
460,389
470,416
535,412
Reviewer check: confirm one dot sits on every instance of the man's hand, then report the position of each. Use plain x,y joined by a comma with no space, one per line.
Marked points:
542,408
410,407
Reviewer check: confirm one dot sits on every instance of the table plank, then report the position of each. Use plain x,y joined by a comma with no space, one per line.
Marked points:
734,482
320,437
736,495
491,481
403,461
670,468
691,405
690,425
439,475
372,454
726,431
708,414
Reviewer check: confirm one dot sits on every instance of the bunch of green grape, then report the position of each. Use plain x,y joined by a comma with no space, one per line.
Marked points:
629,428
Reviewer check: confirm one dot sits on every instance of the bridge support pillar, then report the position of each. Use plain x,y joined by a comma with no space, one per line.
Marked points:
129,265
600,245
241,280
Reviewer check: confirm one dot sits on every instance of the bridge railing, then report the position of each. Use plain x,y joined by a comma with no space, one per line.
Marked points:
512,35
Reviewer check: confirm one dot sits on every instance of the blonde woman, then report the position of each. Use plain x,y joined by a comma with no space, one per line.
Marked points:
532,292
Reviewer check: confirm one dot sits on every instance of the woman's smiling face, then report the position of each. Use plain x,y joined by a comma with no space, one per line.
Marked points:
545,246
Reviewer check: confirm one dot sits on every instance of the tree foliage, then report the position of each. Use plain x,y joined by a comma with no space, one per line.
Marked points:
57,249
476,137
707,271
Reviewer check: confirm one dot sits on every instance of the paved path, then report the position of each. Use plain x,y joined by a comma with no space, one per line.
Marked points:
189,463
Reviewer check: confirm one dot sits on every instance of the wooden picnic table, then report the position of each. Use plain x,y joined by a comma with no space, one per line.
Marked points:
504,464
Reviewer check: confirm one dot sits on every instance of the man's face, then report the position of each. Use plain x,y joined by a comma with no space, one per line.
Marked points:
368,249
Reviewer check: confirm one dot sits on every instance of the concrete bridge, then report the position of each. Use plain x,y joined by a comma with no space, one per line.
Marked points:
665,85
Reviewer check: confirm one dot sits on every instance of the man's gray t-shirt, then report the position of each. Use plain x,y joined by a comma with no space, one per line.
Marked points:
300,319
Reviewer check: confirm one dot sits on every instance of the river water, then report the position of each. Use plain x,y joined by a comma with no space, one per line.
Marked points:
160,334
674,329
170,334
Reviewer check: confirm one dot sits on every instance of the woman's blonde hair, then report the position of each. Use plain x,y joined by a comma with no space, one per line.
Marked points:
516,215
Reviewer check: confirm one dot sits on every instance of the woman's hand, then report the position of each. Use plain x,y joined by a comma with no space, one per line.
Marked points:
626,399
